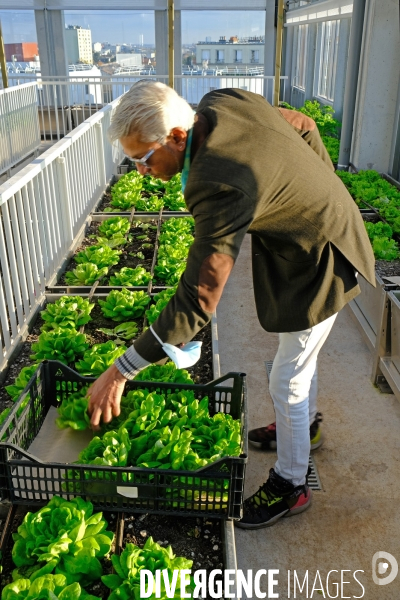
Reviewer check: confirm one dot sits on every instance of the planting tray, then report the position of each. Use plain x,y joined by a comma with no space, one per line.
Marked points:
213,491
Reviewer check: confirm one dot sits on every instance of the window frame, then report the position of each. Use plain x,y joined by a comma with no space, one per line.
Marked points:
326,60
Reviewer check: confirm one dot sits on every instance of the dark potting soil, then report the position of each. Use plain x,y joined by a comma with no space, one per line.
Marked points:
385,268
128,257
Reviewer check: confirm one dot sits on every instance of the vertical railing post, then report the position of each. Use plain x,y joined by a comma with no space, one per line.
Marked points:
100,155
65,200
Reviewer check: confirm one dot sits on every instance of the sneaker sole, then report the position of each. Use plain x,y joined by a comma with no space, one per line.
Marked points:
262,446
272,445
261,525
300,509
284,514
318,444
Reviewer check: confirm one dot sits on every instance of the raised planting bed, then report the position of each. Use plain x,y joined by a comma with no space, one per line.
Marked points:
388,365
138,248
145,194
379,202
214,490
202,372
205,542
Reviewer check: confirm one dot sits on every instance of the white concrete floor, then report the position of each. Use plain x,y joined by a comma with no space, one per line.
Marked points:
355,515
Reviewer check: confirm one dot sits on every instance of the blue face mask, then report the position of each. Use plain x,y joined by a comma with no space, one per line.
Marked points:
182,357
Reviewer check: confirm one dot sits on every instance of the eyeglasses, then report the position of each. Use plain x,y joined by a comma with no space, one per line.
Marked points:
144,159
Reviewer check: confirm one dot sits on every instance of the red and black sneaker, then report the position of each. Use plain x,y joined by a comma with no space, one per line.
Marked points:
274,499
264,438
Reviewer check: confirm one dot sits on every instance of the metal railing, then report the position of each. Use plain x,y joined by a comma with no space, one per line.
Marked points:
193,88
19,125
65,103
42,210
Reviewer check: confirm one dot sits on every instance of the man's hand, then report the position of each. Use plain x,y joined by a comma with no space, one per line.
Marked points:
105,397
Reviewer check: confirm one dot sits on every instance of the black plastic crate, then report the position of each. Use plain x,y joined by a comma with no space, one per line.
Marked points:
214,491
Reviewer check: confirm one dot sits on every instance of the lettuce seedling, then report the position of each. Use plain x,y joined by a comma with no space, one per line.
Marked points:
73,411
48,587
167,372
169,270
85,274
127,191
178,225
130,277
161,300
125,331
151,204
20,382
125,583
64,345
113,242
98,358
379,229
122,305
102,256
114,227
64,536
68,312
385,249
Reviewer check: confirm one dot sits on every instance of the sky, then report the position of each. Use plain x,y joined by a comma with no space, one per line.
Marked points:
128,26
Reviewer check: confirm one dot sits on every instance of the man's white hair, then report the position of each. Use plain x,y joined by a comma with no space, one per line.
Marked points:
150,110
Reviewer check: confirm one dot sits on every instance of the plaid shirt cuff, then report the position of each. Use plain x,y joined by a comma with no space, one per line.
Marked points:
130,363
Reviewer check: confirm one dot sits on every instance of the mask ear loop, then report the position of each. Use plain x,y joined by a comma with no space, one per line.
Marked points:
156,336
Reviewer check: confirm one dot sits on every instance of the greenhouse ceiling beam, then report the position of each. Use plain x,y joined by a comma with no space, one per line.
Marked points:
133,5
3,65
278,52
171,43
325,10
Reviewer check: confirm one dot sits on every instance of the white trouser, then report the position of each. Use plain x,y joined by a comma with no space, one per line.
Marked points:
293,387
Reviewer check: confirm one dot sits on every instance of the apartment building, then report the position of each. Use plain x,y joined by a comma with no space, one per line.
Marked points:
78,44
232,52
24,52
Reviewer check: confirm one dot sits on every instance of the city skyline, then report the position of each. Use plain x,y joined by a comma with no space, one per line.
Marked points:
134,27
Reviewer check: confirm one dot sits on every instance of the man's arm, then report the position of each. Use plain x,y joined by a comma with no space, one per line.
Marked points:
221,221
222,216
308,130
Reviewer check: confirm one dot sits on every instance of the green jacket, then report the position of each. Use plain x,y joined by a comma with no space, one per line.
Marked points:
255,174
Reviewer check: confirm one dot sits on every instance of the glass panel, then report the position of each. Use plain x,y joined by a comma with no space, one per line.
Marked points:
122,42
231,36
20,41
300,74
329,40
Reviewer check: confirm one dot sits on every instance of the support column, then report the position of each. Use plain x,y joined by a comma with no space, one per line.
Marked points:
288,60
161,26
350,90
340,79
377,88
178,50
310,61
269,49
50,27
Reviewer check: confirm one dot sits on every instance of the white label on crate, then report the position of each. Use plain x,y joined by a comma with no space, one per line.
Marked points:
128,492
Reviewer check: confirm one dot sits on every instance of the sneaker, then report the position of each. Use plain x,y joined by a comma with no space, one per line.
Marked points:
264,438
275,499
